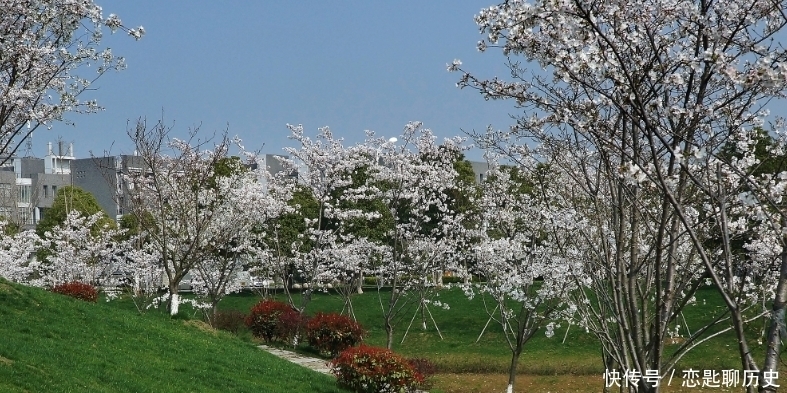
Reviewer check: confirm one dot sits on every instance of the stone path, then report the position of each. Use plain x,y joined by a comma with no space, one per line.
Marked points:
319,365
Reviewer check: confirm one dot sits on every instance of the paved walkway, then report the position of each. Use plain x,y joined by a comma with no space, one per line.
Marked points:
319,365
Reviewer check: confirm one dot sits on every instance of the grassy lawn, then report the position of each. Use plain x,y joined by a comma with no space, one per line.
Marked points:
52,343
547,363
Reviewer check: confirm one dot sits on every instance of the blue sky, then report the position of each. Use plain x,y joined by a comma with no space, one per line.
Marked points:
252,67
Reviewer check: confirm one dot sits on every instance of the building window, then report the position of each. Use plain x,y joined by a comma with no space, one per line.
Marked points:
54,191
26,215
46,191
24,193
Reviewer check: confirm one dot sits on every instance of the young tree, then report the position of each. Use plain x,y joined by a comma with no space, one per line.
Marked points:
16,249
525,274
79,252
179,200
641,100
325,172
243,205
46,48
411,178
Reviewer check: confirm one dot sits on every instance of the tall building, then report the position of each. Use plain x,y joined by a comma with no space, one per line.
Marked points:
106,179
28,185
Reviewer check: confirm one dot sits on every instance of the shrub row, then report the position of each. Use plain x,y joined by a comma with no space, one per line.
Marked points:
329,334
360,369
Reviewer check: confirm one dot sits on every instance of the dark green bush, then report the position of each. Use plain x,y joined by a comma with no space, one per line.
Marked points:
230,321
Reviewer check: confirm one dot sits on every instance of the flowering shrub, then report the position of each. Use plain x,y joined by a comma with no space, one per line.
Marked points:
333,333
371,370
77,290
263,320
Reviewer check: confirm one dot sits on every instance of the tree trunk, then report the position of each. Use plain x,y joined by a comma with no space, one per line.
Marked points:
174,302
776,329
388,334
512,369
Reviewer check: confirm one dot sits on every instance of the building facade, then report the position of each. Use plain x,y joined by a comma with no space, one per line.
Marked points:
28,185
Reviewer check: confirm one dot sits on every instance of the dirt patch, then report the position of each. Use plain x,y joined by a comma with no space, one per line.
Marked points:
496,383
204,326
6,361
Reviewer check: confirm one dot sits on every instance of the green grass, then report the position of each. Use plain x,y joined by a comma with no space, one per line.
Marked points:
458,352
52,343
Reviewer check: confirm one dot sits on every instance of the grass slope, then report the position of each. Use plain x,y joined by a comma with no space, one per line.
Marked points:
52,343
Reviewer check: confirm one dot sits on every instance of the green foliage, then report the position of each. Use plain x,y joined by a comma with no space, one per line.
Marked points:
228,166
10,228
376,229
374,370
70,198
283,231
770,163
461,198
130,223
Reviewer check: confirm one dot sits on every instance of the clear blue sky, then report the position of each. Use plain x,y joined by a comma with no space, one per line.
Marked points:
254,66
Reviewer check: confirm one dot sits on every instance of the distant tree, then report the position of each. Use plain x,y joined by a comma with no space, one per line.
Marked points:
411,179
327,172
46,49
71,198
76,251
526,277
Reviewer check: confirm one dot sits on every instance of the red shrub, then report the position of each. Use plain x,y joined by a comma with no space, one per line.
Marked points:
370,370
263,320
425,368
333,333
77,290
290,325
